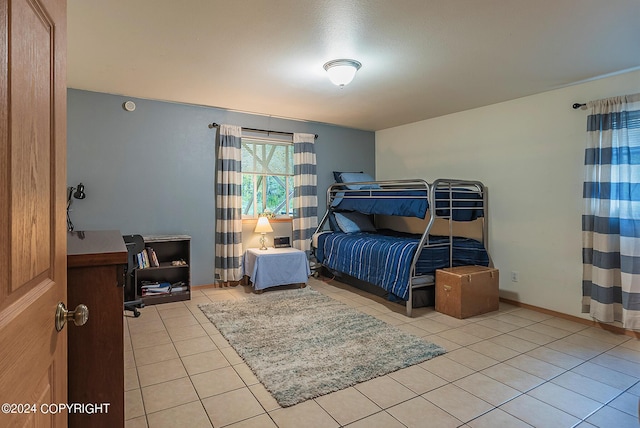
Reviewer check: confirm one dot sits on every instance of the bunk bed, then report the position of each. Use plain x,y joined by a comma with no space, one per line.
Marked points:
348,242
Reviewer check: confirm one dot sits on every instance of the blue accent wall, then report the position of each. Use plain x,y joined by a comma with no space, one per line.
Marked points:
152,171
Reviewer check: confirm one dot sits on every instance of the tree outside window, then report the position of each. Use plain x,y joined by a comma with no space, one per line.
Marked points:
267,177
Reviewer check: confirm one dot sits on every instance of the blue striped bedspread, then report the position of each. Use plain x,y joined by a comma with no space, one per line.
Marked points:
386,260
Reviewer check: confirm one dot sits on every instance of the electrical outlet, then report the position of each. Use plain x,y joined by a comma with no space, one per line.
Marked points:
515,276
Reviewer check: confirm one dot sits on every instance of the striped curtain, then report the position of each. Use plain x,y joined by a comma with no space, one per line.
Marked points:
611,220
229,205
305,193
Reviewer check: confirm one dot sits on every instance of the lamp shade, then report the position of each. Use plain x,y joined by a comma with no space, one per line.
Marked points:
263,225
342,71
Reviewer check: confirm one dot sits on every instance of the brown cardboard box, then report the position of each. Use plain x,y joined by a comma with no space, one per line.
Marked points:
465,291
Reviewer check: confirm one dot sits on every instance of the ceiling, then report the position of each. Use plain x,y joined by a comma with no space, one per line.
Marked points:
420,58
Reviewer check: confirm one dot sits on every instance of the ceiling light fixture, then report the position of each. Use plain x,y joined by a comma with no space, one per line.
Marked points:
342,71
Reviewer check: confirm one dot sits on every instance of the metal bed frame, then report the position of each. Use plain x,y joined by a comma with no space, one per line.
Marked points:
440,194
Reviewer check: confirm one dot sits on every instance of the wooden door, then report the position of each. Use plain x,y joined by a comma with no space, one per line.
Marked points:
33,355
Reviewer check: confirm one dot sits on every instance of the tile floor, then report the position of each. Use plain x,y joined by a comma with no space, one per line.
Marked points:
510,368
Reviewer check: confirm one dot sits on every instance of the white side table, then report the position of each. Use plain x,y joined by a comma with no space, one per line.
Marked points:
275,266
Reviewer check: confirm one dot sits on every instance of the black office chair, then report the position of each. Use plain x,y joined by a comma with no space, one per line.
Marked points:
135,245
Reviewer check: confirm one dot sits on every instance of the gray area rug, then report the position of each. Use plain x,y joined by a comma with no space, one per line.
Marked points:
302,344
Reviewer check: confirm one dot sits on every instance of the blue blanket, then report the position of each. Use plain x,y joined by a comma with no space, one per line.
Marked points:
403,203
466,205
385,260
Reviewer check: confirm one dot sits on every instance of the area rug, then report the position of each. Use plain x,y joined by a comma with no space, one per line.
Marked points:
302,344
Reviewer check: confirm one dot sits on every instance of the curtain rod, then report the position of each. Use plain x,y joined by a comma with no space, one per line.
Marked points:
576,106
266,131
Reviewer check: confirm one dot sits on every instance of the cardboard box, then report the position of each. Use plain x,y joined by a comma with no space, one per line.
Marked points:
465,291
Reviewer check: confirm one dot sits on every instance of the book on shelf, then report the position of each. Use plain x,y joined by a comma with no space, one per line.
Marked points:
153,292
155,288
149,288
140,261
153,258
147,258
155,284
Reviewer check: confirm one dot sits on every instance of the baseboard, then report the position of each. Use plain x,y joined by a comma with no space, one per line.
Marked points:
215,285
607,327
203,286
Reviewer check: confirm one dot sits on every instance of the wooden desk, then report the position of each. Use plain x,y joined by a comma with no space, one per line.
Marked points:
96,262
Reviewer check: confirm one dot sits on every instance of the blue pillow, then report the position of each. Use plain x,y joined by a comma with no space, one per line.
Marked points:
337,174
333,224
351,177
353,222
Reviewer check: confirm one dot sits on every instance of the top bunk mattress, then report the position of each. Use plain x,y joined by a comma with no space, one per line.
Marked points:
466,205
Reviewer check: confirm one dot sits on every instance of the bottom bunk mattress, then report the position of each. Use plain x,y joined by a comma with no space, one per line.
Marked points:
385,260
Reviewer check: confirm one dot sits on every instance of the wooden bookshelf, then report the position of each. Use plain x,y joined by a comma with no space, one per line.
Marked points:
168,249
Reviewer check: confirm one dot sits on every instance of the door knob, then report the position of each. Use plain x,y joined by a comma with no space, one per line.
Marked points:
79,316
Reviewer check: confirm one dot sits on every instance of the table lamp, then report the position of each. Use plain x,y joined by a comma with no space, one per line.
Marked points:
263,227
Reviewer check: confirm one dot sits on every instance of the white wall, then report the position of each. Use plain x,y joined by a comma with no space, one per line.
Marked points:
530,153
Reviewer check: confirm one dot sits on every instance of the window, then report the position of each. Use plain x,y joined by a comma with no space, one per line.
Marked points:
267,177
